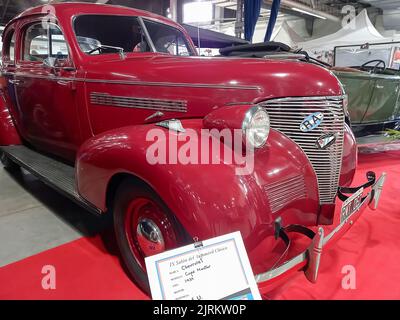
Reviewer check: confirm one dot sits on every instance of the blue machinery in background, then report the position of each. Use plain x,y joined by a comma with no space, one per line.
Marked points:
252,10
272,19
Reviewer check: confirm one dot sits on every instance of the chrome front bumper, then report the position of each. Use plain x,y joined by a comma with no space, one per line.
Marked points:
309,260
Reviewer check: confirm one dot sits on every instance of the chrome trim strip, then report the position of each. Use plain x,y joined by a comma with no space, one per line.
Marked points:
97,98
170,84
139,83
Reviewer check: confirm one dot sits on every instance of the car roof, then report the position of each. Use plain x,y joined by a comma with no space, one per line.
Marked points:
70,9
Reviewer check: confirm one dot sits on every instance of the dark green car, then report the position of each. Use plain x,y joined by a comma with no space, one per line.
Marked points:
373,92
373,89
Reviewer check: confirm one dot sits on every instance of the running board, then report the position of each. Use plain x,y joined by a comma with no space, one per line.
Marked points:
53,173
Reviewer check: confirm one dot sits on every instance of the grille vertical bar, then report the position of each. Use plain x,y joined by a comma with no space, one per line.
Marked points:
286,116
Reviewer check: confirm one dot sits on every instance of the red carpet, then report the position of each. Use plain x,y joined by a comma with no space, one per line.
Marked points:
85,269
372,246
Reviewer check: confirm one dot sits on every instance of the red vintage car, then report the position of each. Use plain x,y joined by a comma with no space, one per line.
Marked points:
82,87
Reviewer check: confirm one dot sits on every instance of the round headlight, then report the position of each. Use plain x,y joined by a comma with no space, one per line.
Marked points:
256,126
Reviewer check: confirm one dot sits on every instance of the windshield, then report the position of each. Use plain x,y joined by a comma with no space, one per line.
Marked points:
105,34
167,39
356,56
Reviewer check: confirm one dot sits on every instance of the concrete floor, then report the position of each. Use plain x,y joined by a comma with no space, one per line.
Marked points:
34,218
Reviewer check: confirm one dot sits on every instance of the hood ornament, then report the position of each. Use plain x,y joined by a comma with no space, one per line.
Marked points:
173,125
326,140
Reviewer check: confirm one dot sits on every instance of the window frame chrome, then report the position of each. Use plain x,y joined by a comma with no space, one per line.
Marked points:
30,22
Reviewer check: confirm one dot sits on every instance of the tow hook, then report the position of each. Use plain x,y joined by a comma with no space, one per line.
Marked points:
314,252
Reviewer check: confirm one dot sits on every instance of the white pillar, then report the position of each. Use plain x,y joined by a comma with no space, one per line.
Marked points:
173,7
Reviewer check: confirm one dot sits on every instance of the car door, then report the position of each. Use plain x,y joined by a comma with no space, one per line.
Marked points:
8,69
383,105
359,86
44,80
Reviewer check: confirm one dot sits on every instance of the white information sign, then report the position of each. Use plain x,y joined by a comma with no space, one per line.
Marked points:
215,269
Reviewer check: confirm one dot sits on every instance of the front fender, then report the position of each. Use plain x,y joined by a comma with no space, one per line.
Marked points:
208,199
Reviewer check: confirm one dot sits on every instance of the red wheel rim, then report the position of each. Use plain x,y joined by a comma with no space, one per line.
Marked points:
148,229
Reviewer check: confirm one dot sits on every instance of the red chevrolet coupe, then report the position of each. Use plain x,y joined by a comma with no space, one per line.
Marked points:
85,87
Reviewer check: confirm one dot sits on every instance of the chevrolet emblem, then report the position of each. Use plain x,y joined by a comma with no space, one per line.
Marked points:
326,141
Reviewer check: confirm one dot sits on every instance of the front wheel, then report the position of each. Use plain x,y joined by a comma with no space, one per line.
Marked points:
144,226
7,163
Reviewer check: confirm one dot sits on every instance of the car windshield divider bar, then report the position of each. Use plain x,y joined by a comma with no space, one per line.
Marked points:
147,34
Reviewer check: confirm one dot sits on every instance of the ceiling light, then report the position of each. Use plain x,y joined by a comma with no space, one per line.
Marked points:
309,13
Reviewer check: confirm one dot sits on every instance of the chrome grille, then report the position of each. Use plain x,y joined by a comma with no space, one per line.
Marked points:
138,103
282,192
286,116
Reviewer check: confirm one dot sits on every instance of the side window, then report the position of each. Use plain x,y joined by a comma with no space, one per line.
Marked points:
9,48
36,43
58,47
44,41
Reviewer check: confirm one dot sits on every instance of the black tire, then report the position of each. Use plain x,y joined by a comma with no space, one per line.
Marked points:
128,191
8,163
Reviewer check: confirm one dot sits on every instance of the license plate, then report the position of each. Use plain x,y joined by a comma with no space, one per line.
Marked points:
351,205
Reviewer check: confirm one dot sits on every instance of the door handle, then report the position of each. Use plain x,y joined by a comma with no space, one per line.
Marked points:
16,82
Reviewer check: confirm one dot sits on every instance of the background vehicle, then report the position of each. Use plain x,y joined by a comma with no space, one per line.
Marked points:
79,120
372,88
373,91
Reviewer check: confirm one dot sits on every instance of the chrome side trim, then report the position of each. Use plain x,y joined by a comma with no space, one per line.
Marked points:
139,83
105,99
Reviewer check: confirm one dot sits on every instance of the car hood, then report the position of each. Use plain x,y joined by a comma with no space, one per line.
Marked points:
266,78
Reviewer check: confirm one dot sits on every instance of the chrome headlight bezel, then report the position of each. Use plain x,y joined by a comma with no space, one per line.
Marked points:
256,134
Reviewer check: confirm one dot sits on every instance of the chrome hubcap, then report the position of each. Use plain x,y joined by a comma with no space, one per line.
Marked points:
149,237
